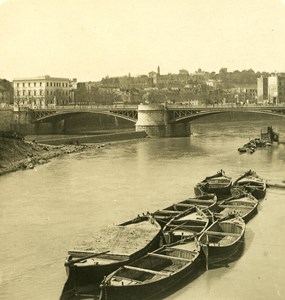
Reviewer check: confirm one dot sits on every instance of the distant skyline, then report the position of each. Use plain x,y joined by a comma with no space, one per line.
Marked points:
90,39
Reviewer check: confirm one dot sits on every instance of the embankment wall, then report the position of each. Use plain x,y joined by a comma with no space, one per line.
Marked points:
6,120
96,138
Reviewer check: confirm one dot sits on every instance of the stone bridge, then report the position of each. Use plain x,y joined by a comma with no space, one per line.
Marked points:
156,120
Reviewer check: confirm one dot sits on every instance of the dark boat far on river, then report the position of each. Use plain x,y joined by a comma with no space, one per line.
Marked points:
47,210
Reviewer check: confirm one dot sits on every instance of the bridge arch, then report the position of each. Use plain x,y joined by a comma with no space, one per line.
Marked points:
200,114
57,116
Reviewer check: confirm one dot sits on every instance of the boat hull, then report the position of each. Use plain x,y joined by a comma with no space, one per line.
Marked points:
252,183
218,184
184,207
150,289
94,274
257,193
146,291
219,191
245,208
218,254
222,240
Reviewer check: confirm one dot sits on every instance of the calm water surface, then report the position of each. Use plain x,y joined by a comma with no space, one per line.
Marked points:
45,211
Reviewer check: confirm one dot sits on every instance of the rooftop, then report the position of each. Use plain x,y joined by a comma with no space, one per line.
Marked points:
45,77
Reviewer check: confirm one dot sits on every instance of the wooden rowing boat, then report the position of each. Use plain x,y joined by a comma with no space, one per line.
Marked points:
152,274
112,247
219,184
222,240
186,227
205,201
244,206
252,183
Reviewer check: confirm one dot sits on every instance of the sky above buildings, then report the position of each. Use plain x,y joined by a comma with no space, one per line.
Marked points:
89,39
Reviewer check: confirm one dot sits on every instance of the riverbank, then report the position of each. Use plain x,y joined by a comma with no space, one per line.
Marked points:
92,138
21,155
17,154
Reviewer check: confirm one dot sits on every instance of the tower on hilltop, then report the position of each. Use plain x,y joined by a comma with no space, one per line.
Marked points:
158,70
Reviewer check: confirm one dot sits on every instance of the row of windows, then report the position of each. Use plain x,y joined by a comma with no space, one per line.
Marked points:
57,92
29,84
60,84
41,93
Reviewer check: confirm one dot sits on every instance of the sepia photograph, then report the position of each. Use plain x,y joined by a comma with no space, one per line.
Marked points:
142,149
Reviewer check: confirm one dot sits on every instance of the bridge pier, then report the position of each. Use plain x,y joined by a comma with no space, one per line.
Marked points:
22,122
154,120
180,130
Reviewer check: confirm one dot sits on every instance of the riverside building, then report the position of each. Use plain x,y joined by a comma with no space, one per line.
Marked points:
276,89
262,90
42,92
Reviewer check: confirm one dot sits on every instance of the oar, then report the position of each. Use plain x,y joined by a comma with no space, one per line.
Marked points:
207,252
276,185
74,261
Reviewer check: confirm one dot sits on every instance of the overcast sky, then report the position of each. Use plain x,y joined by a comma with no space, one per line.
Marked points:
89,39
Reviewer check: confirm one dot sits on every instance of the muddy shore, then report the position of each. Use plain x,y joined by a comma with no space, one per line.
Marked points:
17,154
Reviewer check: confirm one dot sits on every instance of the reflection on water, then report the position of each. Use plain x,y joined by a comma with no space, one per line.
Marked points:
45,211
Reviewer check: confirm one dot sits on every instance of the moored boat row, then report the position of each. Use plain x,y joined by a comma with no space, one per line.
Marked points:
164,268
203,230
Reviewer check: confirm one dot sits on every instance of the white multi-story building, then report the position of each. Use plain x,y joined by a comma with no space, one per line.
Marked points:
276,89
262,89
41,92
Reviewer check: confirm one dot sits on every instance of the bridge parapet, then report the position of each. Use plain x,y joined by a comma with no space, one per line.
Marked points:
41,113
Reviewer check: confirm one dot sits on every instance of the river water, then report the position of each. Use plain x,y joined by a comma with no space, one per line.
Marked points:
45,211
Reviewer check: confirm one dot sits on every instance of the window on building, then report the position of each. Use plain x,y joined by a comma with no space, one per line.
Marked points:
29,93
47,83
29,84
40,84
47,92
24,92
18,93
35,93
35,83
41,92
23,84
18,84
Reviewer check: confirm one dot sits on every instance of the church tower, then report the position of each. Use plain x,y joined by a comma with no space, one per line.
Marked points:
158,70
